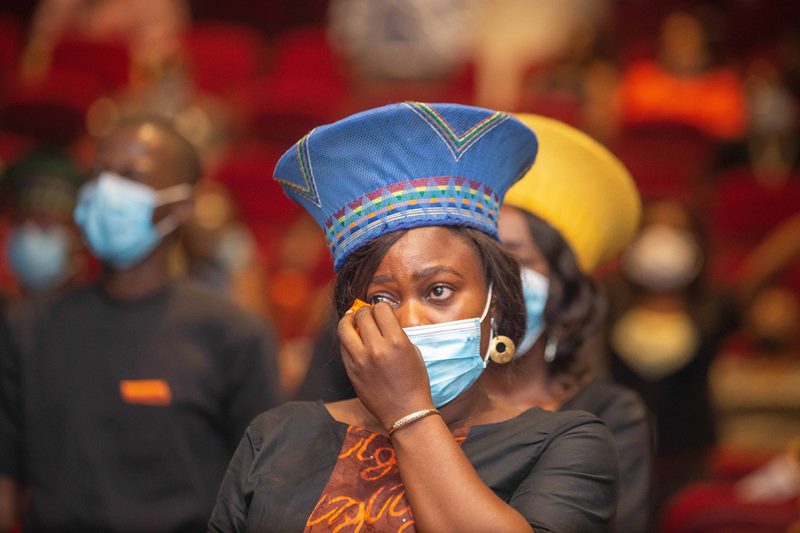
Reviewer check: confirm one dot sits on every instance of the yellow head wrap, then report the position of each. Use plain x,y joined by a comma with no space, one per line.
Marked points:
580,188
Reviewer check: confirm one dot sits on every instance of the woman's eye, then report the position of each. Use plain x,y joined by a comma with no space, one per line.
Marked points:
440,292
381,298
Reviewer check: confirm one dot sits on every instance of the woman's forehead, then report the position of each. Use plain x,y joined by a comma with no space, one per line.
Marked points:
428,249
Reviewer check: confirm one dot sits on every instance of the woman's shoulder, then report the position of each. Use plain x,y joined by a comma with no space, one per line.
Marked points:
559,469
611,402
539,426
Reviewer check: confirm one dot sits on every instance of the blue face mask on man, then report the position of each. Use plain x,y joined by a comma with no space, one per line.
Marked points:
115,215
535,289
39,256
452,354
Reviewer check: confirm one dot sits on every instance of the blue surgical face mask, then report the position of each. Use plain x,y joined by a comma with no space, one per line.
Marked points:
116,217
535,289
452,354
39,256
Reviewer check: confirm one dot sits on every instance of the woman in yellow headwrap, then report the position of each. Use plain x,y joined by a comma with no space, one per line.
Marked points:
576,208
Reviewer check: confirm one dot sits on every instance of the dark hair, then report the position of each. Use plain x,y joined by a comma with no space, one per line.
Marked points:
575,308
188,158
500,268
44,179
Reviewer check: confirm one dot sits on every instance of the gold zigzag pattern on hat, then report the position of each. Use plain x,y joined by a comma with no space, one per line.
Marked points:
458,144
309,187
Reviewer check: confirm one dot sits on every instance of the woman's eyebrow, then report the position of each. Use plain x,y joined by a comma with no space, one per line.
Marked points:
430,271
420,274
386,278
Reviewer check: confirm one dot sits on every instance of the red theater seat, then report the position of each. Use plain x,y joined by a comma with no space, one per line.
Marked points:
281,110
224,56
743,214
715,508
306,53
746,210
108,60
665,159
10,49
53,110
247,173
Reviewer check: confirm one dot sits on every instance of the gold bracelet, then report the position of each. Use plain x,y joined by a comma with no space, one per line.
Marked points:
411,418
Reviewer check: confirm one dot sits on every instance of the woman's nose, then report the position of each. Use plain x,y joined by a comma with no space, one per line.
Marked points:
411,313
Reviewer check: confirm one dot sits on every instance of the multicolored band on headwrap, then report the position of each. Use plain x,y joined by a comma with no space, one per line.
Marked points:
403,166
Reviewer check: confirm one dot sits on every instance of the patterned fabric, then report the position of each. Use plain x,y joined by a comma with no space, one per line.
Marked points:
403,166
423,198
365,492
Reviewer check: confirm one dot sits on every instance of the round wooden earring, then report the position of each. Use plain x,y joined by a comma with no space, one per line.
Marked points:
501,349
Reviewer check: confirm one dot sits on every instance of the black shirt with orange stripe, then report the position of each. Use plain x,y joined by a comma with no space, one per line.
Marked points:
123,415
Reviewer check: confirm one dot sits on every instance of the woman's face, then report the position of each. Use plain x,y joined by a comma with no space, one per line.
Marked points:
430,275
517,240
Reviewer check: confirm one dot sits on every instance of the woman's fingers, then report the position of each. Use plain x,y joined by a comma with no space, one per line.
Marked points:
388,324
349,337
347,359
384,367
360,334
367,328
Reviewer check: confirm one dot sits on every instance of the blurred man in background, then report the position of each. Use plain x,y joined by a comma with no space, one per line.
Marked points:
42,249
121,402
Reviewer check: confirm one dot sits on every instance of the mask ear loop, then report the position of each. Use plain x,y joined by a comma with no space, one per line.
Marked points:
488,303
483,315
171,195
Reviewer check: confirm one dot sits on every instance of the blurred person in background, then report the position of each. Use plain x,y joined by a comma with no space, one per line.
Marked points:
685,83
772,141
151,29
43,247
220,252
514,38
403,39
122,402
665,326
771,148
576,208
667,323
756,380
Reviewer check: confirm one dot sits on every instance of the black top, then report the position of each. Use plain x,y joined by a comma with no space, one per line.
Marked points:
123,415
559,470
625,414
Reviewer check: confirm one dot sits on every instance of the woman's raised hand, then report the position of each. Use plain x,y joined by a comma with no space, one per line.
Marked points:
385,368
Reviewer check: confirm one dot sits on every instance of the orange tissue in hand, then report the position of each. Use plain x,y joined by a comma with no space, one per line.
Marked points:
357,304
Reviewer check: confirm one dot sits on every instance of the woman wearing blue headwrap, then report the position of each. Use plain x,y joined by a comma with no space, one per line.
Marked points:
408,197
